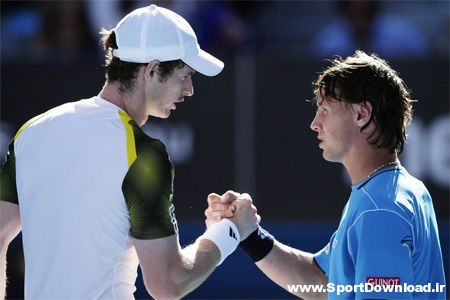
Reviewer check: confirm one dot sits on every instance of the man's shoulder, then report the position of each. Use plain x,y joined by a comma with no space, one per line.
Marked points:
394,186
146,143
396,191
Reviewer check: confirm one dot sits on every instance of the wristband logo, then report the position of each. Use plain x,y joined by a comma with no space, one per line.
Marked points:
262,233
232,234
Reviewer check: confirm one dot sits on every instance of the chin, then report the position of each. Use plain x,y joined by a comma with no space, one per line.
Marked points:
162,114
326,156
330,158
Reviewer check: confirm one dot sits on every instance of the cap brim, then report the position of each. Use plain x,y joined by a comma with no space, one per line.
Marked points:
204,63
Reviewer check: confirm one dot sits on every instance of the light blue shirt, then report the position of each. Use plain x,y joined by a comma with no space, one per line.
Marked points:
388,236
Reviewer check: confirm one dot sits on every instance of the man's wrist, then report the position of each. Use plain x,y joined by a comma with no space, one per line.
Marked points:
258,244
225,235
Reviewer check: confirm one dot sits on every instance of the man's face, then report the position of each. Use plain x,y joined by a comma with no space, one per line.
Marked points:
336,128
162,97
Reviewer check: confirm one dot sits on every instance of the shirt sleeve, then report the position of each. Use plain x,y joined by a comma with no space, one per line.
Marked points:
381,244
148,192
8,188
322,257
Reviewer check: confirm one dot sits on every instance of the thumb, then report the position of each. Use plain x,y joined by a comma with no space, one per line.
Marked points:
229,213
213,197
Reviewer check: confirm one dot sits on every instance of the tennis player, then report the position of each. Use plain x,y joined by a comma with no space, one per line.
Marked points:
93,195
387,236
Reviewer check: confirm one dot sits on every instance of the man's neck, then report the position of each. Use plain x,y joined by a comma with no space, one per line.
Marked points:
129,102
368,162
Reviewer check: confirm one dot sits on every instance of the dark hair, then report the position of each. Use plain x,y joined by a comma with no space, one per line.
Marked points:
125,72
367,78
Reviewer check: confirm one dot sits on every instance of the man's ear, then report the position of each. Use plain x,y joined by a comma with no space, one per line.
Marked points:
150,69
363,113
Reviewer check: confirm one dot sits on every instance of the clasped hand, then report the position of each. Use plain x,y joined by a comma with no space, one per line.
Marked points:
237,207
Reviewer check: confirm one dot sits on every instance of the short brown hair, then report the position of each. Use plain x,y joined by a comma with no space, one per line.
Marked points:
367,78
125,72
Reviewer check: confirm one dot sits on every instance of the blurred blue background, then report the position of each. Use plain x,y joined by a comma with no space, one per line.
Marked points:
248,128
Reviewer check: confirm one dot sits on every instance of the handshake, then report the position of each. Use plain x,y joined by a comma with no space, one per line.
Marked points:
236,207
232,220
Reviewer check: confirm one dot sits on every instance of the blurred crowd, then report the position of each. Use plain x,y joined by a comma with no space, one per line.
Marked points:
67,31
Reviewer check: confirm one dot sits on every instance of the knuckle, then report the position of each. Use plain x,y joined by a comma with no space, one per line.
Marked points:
212,196
246,196
231,193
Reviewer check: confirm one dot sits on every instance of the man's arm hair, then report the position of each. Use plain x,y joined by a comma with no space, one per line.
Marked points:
289,266
9,228
171,272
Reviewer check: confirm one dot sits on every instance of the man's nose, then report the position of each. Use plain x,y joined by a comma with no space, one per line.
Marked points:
314,124
189,90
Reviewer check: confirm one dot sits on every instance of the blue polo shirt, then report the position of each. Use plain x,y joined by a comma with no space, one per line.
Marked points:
387,236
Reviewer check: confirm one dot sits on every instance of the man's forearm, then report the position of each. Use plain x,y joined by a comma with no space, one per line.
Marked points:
2,272
186,271
198,262
289,266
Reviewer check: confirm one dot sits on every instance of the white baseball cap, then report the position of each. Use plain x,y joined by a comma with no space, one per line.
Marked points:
156,33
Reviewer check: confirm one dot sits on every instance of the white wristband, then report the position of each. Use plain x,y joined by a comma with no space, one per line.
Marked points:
225,235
